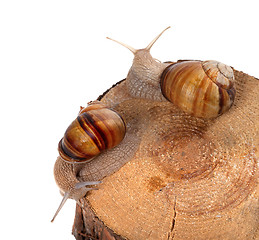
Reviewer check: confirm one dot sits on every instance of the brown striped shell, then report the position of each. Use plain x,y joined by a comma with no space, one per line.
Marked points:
96,129
202,89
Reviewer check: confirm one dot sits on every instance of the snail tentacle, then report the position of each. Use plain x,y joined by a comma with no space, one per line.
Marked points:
67,195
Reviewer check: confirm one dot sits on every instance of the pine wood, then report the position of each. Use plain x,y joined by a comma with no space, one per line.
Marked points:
189,179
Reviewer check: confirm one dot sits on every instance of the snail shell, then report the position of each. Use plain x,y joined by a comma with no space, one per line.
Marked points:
202,89
96,129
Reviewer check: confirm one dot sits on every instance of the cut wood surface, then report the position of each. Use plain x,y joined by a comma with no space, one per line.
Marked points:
189,178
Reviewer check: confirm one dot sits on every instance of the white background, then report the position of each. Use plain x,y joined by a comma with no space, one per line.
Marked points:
54,57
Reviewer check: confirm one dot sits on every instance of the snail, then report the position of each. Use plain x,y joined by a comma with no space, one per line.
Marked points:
96,129
202,89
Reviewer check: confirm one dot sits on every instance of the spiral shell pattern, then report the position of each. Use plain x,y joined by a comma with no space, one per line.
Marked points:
96,129
202,89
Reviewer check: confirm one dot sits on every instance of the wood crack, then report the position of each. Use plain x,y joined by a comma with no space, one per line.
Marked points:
171,233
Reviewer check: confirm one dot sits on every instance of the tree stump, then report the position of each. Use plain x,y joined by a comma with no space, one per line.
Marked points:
189,179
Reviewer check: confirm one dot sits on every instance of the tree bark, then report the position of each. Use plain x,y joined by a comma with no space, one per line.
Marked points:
87,226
